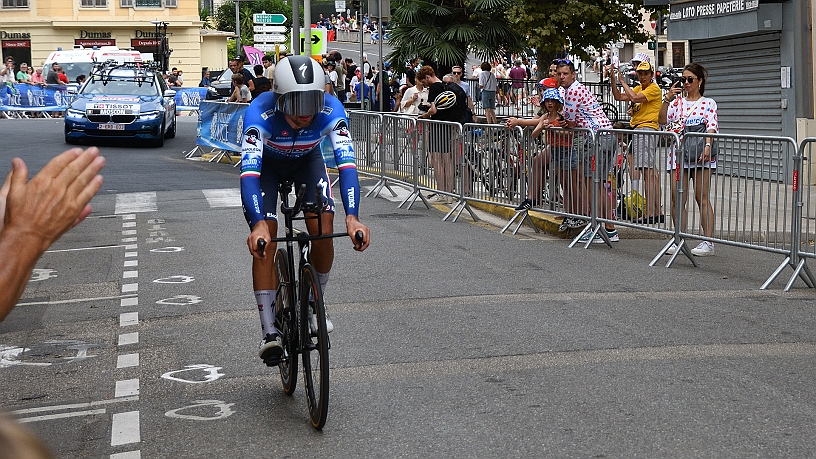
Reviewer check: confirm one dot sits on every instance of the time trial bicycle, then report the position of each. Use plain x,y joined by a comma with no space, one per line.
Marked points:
300,296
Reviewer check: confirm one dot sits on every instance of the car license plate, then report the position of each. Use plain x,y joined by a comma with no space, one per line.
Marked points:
112,127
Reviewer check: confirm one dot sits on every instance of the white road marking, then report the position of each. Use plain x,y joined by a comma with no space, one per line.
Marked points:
73,300
136,202
131,246
127,360
129,233
126,388
129,239
175,280
127,319
127,455
42,409
224,197
128,288
129,224
211,373
167,249
84,248
48,417
125,428
131,254
129,217
131,263
179,300
130,274
132,301
224,410
128,338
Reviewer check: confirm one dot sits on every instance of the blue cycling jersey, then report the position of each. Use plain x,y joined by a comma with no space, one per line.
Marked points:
268,137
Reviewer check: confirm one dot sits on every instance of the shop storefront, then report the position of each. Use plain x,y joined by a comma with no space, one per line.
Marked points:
16,45
753,53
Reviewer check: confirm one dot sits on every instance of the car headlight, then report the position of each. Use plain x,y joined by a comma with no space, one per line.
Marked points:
147,116
73,113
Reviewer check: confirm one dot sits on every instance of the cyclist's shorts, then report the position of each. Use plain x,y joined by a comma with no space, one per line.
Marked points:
308,169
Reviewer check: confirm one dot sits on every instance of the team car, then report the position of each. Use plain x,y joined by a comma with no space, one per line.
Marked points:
122,101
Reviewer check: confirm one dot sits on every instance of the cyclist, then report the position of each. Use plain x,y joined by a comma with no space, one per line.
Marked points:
281,141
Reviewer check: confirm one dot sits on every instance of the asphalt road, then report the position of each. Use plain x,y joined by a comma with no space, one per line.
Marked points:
137,336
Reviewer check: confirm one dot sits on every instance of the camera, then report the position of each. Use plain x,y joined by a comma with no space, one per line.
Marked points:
678,82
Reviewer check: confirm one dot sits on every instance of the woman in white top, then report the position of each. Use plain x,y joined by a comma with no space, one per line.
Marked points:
692,109
413,97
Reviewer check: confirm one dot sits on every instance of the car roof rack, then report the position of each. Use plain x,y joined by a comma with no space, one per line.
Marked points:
143,72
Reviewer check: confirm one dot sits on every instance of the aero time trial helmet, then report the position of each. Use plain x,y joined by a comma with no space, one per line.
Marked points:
299,86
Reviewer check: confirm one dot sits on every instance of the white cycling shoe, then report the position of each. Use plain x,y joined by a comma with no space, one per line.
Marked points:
313,324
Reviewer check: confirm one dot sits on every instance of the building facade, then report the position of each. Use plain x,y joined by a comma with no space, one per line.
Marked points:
31,29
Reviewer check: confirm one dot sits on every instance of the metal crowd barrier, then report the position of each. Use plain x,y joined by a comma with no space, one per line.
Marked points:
755,193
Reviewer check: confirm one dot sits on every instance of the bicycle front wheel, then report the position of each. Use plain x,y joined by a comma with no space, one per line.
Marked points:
315,347
286,323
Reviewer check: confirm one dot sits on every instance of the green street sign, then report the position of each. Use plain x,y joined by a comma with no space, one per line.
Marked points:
263,18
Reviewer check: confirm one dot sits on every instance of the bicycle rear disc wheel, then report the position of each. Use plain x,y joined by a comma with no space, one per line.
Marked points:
316,348
286,323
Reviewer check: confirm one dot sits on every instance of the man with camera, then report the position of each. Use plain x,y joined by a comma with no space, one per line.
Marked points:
645,98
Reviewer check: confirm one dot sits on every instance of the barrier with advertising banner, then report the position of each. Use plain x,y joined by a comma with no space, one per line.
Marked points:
220,125
189,99
34,98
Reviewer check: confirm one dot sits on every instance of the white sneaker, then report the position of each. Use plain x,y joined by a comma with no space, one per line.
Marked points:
313,324
672,249
704,249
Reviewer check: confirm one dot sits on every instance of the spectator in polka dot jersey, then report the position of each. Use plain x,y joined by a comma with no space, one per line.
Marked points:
582,110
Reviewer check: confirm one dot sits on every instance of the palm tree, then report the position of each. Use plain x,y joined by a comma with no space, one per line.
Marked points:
445,31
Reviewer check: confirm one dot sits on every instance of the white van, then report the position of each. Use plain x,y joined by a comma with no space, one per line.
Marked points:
79,61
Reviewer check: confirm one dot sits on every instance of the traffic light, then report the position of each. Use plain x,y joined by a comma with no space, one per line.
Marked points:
355,5
651,45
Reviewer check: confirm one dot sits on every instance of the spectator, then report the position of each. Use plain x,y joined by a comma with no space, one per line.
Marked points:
63,78
53,75
237,66
340,86
694,111
645,99
180,76
37,77
410,72
80,79
581,109
350,69
331,78
7,74
205,80
173,79
39,211
413,97
241,93
504,86
517,75
561,156
269,68
445,105
262,83
22,75
456,71
383,91
488,86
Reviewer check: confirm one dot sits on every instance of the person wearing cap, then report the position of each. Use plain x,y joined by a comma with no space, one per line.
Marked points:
559,156
646,99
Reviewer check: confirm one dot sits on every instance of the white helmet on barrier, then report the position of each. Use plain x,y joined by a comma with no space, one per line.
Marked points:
300,86
445,100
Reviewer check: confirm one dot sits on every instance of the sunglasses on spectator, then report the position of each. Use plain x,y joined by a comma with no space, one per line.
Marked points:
562,61
456,73
688,80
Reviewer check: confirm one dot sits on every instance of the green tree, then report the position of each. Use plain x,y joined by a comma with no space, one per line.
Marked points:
554,26
225,16
445,31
